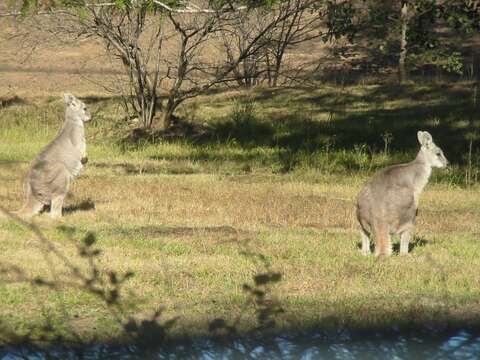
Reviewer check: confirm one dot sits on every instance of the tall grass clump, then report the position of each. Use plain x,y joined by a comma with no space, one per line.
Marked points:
244,126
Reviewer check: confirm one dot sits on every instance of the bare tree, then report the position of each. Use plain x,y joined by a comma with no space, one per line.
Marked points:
125,35
170,54
296,22
167,52
188,66
236,39
301,26
200,65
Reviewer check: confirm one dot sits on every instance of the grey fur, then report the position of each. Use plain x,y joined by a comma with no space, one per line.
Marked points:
387,205
55,167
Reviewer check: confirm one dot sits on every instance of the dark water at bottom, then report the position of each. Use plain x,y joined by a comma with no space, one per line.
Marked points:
421,344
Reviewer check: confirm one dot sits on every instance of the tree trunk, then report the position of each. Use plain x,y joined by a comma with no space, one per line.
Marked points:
276,71
149,110
246,73
403,43
269,70
167,113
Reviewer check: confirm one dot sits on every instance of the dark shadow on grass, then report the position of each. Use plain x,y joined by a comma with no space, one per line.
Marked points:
147,169
416,242
211,156
131,169
227,233
84,205
352,120
10,101
99,99
188,231
179,130
11,163
138,333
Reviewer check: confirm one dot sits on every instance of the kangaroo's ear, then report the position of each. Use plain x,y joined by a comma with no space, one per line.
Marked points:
68,98
425,139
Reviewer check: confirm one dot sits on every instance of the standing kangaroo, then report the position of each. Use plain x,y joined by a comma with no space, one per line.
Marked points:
387,205
58,163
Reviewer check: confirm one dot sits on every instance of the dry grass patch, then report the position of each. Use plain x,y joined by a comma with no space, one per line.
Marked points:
195,221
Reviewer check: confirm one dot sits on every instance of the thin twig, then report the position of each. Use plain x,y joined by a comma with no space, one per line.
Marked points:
189,9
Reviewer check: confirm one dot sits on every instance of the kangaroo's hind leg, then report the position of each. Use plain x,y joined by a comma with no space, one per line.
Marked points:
405,238
56,207
365,242
383,242
32,205
60,185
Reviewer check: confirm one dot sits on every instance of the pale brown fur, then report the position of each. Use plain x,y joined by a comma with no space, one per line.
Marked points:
387,205
56,166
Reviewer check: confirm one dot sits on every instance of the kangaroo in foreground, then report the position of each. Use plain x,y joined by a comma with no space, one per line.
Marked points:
58,163
387,205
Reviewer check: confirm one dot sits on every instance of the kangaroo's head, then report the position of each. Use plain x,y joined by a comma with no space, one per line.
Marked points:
431,152
76,109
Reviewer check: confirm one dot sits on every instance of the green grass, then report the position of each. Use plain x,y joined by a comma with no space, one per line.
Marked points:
265,185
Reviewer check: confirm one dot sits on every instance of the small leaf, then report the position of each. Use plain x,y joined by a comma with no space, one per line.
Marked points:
128,275
39,281
67,230
112,296
275,277
96,252
246,287
89,239
261,279
113,277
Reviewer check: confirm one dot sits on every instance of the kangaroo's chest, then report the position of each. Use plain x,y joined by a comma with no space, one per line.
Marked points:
82,147
78,151
79,144
419,185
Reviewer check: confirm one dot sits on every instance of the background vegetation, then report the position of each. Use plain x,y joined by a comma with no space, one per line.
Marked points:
239,215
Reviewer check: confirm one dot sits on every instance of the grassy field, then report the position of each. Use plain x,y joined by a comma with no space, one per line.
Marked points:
256,183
